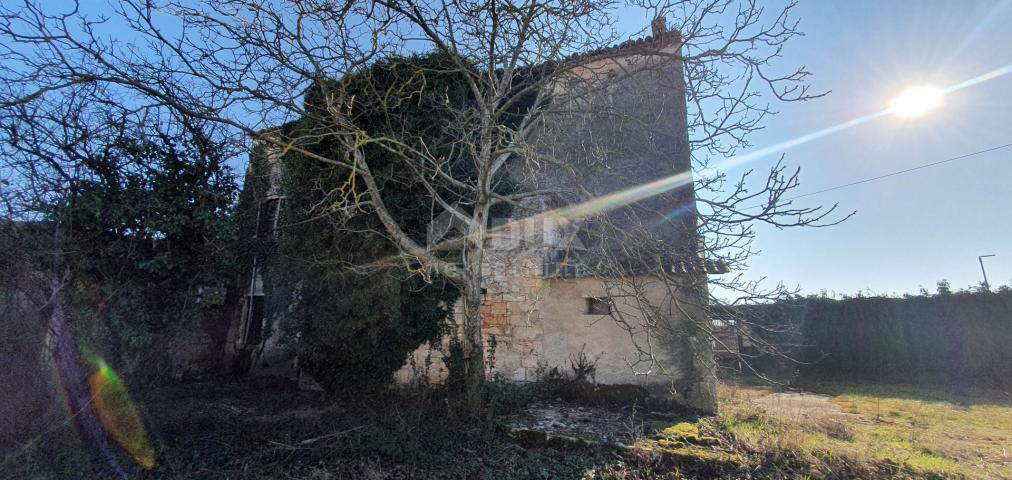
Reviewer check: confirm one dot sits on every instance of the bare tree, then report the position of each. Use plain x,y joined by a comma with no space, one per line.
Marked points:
245,65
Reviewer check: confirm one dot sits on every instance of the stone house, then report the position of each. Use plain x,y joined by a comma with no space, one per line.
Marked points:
619,124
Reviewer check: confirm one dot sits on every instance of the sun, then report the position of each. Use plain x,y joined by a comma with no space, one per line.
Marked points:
916,101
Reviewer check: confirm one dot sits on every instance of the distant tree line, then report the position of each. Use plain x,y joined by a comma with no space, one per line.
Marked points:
960,337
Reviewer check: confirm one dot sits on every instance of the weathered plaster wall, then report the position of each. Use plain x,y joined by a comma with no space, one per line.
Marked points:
569,329
541,322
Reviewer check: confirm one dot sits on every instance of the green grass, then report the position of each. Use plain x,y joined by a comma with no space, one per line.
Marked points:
924,431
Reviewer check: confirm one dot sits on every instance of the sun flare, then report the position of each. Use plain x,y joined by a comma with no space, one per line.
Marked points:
916,101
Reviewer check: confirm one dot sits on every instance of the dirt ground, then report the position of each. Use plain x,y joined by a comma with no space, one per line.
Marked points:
619,426
801,406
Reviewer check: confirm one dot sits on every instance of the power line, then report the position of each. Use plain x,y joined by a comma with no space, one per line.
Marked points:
892,174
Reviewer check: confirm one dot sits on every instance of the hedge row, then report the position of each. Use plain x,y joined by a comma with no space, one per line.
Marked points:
960,337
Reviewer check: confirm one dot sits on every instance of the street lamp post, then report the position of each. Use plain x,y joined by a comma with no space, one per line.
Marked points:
980,258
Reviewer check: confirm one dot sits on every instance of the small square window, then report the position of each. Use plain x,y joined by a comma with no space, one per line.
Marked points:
598,306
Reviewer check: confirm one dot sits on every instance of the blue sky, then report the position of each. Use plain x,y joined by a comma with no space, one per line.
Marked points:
913,229
916,228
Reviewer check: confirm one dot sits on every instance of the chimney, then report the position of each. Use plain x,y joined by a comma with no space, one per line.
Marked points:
659,26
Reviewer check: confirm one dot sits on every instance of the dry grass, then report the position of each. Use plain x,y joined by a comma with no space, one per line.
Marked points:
920,431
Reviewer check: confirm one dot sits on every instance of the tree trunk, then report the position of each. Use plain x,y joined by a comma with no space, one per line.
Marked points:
474,358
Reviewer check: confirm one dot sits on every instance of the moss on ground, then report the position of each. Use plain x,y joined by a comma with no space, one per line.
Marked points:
685,443
687,432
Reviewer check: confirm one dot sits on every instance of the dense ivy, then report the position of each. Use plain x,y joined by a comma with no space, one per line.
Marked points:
353,327
149,232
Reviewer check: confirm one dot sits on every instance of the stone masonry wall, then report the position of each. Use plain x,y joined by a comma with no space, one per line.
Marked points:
512,325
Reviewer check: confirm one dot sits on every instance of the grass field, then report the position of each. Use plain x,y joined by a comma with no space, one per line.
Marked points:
252,431
924,431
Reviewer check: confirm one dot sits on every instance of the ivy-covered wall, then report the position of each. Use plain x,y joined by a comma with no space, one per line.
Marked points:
335,289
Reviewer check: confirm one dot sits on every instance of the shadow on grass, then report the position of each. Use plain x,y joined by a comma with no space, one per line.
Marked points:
964,394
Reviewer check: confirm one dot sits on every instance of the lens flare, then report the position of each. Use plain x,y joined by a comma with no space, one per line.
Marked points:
119,416
678,212
993,74
76,396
